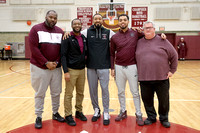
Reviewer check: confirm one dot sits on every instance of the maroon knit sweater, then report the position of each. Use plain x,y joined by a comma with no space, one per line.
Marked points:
155,58
45,44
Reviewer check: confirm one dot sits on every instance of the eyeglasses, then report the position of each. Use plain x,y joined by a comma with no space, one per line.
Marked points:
148,28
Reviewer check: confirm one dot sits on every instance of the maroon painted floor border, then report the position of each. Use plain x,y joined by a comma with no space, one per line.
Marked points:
126,126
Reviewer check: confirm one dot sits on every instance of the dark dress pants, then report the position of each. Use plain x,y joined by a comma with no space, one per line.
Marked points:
161,87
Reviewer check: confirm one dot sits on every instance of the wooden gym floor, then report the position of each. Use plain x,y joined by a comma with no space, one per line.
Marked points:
17,96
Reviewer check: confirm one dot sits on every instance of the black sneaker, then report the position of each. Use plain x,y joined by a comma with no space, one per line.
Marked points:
70,121
58,117
38,123
166,124
80,116
149,122
96,114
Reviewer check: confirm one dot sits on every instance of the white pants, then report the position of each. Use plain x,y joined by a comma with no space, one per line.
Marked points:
40,80
124,73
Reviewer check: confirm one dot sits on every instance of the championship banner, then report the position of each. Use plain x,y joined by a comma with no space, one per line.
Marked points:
139,16
2,1
85,15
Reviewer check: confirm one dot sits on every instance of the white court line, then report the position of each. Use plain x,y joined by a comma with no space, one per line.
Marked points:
128,99
14,86
13,72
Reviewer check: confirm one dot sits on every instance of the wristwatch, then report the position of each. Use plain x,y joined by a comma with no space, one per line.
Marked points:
46,63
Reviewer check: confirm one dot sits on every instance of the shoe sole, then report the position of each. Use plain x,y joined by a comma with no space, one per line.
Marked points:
97,118
106,124
149,123
71,124
58,120
38,127
140,124
80,118
166,126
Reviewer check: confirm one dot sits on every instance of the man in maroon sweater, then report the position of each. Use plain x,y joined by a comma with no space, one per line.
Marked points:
122,53
156,61
45,41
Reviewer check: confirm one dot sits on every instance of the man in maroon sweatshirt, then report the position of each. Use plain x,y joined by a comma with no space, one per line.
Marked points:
45,41
156,60
123,66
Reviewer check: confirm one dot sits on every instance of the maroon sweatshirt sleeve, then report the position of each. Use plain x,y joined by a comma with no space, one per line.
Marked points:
173,57
59,57
112,52
34,47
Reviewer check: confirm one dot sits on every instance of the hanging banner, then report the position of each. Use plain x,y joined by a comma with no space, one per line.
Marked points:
85,15
2,1
139,16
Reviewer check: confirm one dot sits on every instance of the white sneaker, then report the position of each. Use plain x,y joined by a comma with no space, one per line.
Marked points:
97,114
106,118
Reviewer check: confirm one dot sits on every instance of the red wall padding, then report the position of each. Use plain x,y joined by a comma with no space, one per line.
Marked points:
193,45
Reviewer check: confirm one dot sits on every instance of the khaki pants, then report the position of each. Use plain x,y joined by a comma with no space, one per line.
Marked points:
77,79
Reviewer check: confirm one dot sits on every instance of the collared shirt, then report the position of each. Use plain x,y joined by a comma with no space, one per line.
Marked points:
80,40
123,47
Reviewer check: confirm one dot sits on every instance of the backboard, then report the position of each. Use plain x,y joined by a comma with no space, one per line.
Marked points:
110,12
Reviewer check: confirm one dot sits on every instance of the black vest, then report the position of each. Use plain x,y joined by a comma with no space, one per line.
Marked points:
98,56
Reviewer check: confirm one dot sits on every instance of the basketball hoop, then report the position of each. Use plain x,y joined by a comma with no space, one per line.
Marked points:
111,19
111,16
